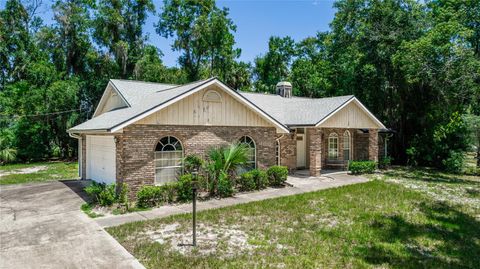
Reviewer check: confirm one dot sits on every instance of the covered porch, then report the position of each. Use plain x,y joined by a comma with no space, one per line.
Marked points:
326,149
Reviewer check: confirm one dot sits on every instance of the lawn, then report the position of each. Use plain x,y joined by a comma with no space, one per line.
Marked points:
37,172
402,219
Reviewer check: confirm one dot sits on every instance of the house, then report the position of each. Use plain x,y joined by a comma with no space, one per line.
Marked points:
141,131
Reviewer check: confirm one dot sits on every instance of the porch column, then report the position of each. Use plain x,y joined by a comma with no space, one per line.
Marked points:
315,151
373,145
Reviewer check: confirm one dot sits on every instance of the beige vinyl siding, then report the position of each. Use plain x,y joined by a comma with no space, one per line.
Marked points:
350,116
194,110
112,101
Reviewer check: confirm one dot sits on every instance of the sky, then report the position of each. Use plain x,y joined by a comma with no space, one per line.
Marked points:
256,21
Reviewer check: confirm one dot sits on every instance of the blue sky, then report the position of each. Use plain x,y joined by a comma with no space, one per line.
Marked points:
256,21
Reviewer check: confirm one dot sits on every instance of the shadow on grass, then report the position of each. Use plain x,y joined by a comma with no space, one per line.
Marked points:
427,175
456,236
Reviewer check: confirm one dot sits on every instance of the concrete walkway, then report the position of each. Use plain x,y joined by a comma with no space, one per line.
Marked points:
41,226
300,184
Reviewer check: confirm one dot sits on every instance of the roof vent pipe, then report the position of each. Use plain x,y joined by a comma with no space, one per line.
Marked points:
284,89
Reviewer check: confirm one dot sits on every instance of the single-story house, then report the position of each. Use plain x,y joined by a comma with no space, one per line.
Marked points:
141,131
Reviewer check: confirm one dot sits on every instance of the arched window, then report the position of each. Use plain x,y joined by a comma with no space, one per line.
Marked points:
333,146
168,160
252,153
346,145
277,151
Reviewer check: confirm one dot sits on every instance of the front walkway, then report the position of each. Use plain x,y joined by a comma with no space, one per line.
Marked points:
300,184
41,226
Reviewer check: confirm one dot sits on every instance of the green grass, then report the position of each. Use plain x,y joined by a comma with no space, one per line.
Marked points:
386,223
52,171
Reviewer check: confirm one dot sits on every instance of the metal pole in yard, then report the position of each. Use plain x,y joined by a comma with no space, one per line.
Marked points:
194,211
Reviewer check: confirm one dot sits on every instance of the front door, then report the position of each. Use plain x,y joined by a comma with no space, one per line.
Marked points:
301,149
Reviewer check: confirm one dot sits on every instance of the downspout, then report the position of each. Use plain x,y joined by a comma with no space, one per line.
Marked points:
279,152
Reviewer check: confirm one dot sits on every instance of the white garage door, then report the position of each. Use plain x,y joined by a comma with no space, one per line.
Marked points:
101,159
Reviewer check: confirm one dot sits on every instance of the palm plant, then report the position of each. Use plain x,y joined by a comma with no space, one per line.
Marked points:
7,154
224,162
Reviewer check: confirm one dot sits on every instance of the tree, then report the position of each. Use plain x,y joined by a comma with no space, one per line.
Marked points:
311,73
71,35
274,66
202,33
118,26
150,68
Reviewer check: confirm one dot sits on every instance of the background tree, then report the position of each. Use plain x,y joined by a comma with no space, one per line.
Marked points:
274,66
203,34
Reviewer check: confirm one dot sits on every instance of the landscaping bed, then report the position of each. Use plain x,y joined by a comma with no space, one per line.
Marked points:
384,223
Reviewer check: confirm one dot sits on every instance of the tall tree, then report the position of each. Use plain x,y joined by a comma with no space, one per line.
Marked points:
203,34
274,66
118,26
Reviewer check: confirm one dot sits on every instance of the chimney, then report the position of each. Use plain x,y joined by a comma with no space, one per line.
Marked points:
284,89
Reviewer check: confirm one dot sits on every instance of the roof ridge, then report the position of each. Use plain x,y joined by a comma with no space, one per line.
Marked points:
146,82
193,82
299,97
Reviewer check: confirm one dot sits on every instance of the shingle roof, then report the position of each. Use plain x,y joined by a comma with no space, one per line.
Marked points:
296,111
145,96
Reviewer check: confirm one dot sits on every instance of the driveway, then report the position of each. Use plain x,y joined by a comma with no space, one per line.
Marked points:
41,226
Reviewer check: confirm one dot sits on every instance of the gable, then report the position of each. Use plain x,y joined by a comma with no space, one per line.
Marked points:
110,100
352,115
209,106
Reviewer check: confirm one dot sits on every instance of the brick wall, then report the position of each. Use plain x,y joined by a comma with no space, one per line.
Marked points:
137,144
288,150
314,149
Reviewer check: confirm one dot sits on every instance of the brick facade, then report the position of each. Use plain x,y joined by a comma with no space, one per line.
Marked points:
314,149
135,159
288,150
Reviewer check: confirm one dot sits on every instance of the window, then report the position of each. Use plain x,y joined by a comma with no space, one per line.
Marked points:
333,146
252,154
346,146
277,151
168,160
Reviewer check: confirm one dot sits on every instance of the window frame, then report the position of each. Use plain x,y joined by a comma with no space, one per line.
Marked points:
277,151
333,152
243,140
175,144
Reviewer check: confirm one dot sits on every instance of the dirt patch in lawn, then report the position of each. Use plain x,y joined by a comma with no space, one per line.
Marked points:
211,240
27,170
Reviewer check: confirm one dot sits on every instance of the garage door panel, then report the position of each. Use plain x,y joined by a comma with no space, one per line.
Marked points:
101,159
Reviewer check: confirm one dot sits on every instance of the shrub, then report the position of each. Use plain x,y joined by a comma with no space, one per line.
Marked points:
148,196
261,179
454,162
362,167
107,196
93,191
247,181
385,162
184,188
101,193
277,175
192,163
225,186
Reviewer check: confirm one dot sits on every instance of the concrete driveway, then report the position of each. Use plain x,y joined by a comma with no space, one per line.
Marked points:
41,226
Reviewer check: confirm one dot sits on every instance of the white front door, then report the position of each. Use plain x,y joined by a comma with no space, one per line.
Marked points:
301,150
